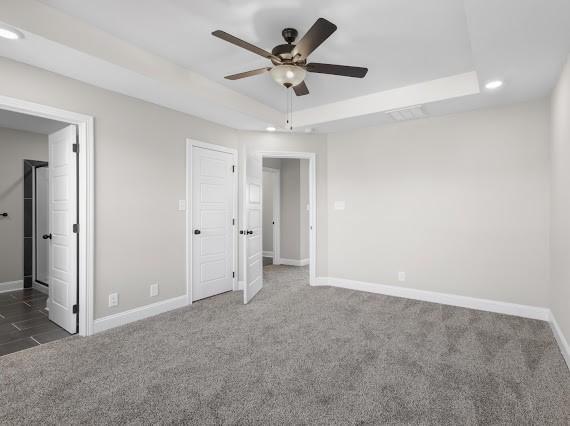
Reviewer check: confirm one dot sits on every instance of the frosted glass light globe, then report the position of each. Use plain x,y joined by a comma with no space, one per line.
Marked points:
288,75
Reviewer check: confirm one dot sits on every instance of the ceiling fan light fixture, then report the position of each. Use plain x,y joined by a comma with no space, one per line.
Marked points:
288,75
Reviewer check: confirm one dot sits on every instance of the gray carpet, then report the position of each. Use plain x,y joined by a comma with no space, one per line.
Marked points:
296,355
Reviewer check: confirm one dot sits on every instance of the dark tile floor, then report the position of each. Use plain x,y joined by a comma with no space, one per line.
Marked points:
24,321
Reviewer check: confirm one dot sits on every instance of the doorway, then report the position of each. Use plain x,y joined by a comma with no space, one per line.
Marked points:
38,271
251,271
211,220
71,211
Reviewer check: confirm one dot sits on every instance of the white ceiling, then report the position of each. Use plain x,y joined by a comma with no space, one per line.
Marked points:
29,123
402,42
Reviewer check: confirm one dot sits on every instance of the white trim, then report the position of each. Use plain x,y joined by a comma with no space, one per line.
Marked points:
86,191
136,314
295,262
312,157
190,143
40,287
276,254
267,254
241,285
11,286
559,336
525,311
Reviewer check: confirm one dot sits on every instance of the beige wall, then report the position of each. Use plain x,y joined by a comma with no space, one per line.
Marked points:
139,178
459,203
290,207
560,231
15,146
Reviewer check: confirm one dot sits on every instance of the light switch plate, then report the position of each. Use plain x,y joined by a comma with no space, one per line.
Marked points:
181,205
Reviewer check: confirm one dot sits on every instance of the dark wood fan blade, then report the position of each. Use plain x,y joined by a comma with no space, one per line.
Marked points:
244,44
343,70
247,74
317,34
301,89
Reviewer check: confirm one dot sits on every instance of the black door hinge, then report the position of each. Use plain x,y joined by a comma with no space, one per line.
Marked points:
76,148
76,228
75,309
233,274
233,221
233,169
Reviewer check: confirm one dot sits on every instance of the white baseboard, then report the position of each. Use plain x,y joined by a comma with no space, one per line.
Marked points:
39,287
122,318
559,336
11,286
525,311
294,262
267,254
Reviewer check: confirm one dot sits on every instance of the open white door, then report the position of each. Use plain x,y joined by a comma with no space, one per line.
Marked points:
252,240
63,240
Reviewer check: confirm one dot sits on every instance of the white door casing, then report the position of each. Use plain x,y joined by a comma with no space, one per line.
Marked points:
62,216
252,238
212,226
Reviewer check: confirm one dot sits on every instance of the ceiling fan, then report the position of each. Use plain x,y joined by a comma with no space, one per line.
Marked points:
290,60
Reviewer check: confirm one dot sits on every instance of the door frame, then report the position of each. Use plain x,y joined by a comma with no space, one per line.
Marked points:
85,199
312,157
191,143
276,213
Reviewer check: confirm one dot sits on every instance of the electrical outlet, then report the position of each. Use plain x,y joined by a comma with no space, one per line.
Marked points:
113,299
401,276
154,289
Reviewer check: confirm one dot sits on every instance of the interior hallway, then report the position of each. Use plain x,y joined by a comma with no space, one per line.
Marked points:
297,354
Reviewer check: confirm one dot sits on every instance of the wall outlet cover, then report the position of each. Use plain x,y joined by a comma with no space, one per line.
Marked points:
154,290
401,276
113,299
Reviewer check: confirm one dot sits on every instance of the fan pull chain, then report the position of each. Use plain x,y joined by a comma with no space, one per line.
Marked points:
291,109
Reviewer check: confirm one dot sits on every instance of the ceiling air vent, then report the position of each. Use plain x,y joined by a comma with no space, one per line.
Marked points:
407,113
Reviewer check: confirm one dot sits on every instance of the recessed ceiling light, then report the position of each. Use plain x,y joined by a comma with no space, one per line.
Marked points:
10,34
270,128
495,84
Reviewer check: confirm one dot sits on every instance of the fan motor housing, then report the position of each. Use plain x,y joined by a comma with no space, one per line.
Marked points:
283,51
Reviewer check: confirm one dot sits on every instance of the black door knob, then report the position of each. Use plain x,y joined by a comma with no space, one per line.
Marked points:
4,214
46,236
249,232
197,232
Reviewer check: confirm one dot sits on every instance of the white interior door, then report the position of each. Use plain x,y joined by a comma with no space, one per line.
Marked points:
252,238
212,222
62,216
42,224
